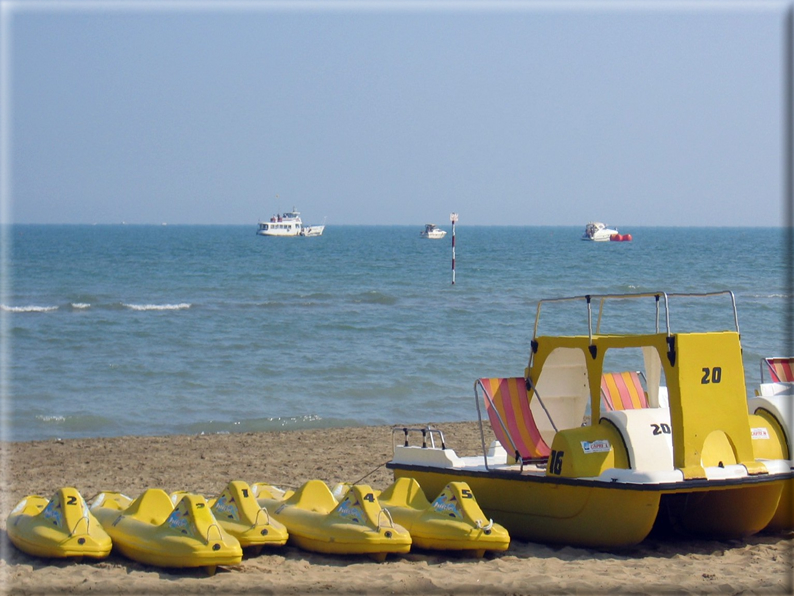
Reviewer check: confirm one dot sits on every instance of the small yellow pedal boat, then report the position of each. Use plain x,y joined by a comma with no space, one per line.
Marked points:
152,531
60,527
241,516
317,522
453,521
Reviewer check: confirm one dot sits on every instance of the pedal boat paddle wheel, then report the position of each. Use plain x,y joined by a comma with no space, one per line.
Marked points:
573,465
774,400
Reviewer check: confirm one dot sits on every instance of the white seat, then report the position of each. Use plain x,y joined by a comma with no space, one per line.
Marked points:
766,389
648,437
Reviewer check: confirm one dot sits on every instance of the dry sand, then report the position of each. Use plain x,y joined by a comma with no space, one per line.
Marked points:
759,565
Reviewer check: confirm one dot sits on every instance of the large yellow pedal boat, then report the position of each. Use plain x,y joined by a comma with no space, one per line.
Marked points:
568,469
152,530
316,522
59,527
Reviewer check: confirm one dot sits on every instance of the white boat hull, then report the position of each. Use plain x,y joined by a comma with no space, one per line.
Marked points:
602,236
312,231
277,233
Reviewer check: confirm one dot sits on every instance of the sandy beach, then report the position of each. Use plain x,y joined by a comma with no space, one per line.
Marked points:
759,565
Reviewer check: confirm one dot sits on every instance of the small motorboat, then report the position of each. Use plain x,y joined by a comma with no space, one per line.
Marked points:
564,468
317,522
597,231
432,232
60,527
241,516
453,521
312,230
151,530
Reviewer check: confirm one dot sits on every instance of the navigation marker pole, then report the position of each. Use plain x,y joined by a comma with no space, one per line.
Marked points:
453,217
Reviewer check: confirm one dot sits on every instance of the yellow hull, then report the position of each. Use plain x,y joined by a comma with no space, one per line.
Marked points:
322,542
58,528
173,553
545,512
150,530
596,514
722,513
258,535
783,520
317,522
453,521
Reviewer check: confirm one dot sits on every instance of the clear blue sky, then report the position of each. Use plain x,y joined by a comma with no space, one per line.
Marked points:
511,113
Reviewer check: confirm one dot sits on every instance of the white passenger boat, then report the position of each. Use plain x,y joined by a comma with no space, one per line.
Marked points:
288,223
283,224
432,232
596,231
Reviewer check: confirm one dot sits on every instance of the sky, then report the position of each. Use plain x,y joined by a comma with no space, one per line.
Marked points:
395,113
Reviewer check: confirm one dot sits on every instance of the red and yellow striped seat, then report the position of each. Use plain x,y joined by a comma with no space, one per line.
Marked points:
623,391
507,404
781,369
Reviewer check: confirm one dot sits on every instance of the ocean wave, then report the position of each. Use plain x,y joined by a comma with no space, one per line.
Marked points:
317,296
768,296
213,427
69,425
55,418
180,306
374,297
269,304
30,308
79,305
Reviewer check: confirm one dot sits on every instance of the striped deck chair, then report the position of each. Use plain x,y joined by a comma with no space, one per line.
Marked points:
780,369
507,404
623,391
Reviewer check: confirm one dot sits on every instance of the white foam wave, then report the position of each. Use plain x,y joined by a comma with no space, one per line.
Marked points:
31,308
180,306
80,305
51,418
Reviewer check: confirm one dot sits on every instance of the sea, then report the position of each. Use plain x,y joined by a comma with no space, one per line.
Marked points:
116,330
